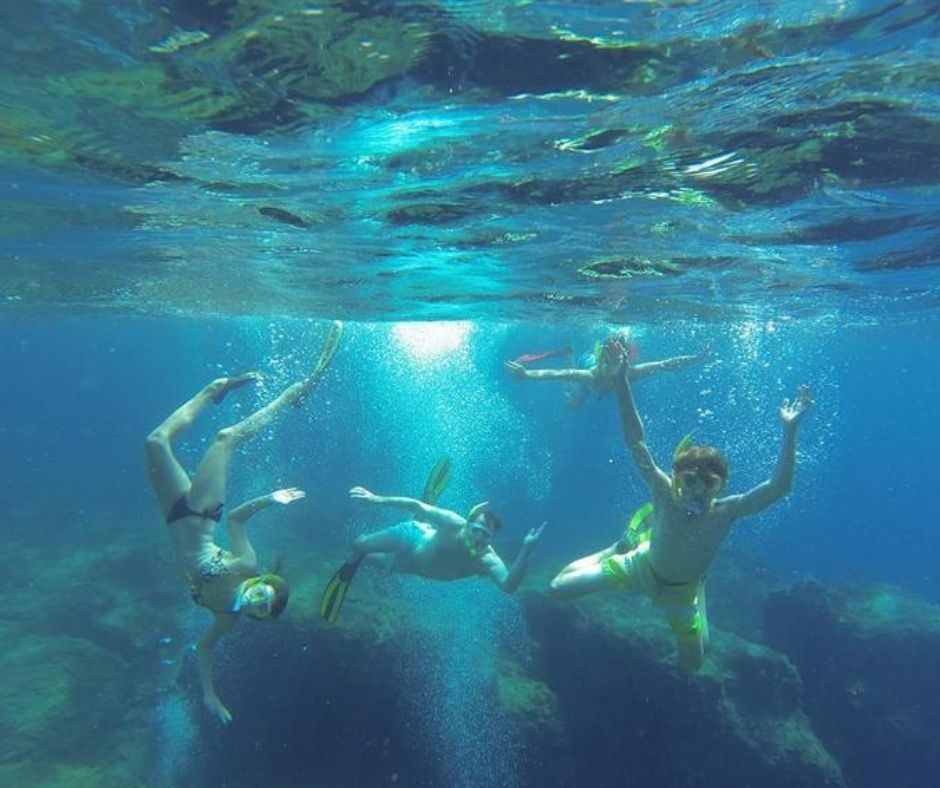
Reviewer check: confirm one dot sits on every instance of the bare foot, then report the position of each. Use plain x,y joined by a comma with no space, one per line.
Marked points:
236,382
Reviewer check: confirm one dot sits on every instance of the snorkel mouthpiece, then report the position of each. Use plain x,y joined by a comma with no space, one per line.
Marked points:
471,547
241,599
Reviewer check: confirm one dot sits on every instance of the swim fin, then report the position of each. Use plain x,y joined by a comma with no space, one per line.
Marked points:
335,592
437,482
329,348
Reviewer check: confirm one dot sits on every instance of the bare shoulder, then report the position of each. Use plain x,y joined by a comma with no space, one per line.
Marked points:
728,509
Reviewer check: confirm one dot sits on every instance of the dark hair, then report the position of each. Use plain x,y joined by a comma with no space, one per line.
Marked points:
701,458
281,592
490,520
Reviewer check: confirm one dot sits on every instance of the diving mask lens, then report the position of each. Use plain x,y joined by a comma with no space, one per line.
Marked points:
709,483
257,599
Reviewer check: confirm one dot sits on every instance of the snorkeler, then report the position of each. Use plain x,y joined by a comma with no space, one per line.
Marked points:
225,582
682,528
438,543
597,375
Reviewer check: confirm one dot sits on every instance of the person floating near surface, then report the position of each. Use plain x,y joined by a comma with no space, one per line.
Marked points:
438,543
597,375
225,582
687,523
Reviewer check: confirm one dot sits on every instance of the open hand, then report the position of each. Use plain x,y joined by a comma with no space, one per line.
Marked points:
215,705
361,494
533,536
793,412
615,355
287,495
515,369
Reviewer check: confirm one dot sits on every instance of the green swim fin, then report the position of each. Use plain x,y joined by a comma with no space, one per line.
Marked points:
335,592
437,482
329,347
638,530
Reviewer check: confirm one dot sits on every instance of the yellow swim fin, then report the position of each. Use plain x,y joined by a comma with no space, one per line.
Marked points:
329,347
639,527
331,602
437,482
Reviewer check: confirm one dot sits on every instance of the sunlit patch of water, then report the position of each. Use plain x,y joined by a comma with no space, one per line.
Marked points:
426,342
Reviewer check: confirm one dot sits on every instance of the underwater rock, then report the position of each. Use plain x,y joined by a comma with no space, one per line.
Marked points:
80,666
598,693
632,714
870,662
58,697
533,713
387,695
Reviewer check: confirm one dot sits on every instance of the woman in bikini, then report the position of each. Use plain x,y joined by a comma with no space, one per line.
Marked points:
225,582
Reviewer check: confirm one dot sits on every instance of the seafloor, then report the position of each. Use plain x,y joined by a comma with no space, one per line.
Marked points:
806,685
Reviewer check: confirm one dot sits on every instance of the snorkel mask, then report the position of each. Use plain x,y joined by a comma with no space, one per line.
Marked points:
693,506
250,593
473,524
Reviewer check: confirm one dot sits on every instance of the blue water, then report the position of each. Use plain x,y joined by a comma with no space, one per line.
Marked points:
80,395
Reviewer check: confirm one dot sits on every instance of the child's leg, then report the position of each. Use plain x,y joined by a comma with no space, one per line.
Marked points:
585,563
604,571
169,480
584,576
689,623
691,648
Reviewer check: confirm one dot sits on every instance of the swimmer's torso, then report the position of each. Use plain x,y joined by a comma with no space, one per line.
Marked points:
682,547
442,556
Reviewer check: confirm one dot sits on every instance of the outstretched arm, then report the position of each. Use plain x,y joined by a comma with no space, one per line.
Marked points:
439,518
639,371
223,623
238,539
781,482
509,579
633,434
579,375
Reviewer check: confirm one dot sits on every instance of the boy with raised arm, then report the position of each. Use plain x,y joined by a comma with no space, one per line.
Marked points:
687,523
